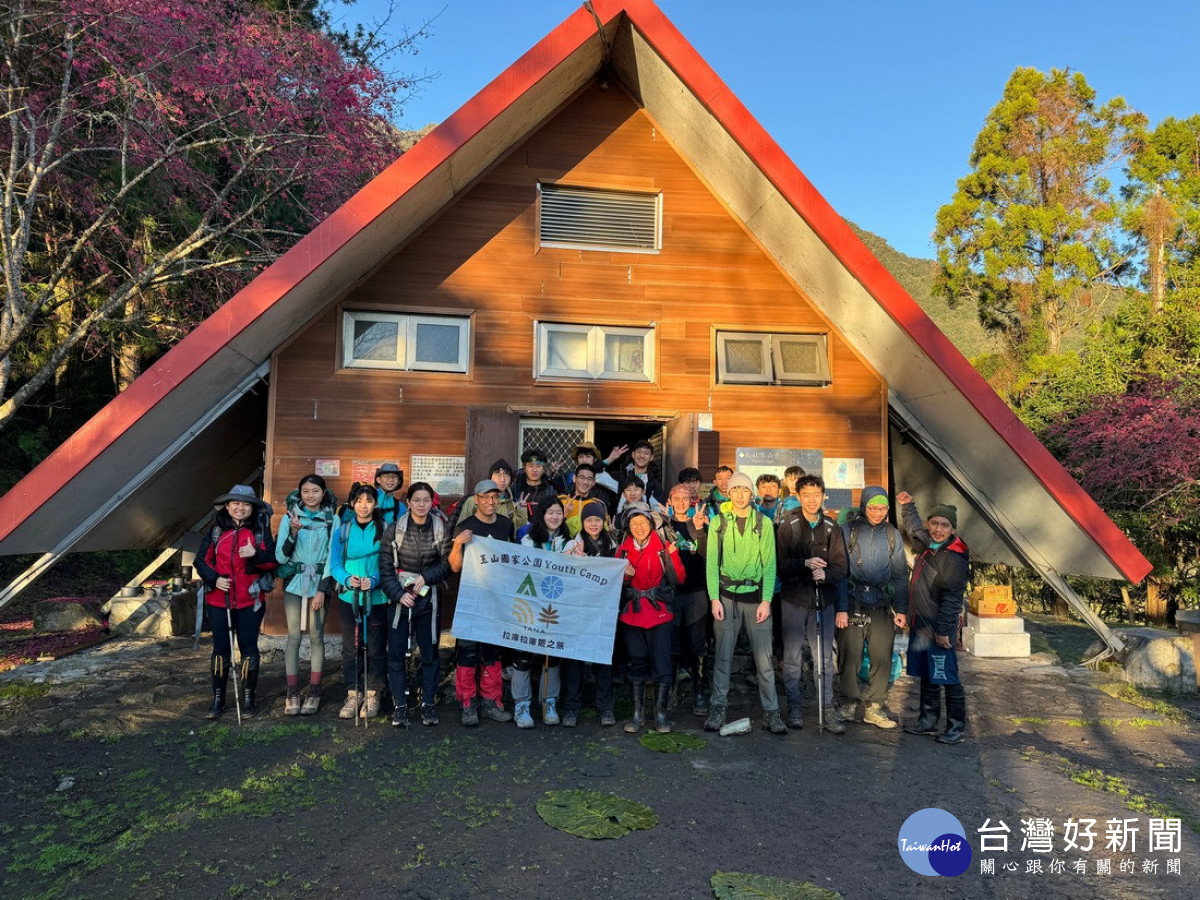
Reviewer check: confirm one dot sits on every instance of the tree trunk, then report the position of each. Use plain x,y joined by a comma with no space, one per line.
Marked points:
129,355
1156,603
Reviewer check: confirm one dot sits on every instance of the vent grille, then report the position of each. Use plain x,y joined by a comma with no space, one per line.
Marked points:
593,219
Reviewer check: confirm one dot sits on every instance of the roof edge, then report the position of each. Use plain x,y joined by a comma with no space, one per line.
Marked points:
800,193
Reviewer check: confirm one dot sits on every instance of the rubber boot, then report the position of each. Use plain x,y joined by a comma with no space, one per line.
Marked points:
956,715
931,710
634,725
249,687
661,700
220,679
700,696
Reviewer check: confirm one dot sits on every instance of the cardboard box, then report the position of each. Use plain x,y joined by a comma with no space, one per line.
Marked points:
992,601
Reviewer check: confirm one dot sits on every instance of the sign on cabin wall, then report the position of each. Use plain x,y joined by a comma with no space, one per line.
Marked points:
755,461
364,469
446,474
328,468
843,473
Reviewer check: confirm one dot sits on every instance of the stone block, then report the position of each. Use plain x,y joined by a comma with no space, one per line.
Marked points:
1010,646
1006,625
1159,659
153,615
65,614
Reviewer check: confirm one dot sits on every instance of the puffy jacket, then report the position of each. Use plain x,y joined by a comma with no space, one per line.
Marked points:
648,575
418,552
220,559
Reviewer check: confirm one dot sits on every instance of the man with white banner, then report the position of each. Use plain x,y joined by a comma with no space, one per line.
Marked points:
528,599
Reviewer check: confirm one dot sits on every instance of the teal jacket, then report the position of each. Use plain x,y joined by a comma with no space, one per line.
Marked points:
358,556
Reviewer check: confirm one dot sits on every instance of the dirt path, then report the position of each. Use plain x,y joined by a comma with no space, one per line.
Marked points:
113,781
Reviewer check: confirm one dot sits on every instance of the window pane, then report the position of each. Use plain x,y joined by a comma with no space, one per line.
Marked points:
567,350
437,343
743,357
624,353
799,356
376,341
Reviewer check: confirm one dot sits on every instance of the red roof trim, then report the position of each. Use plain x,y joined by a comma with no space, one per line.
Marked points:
99,433
309,253
830,226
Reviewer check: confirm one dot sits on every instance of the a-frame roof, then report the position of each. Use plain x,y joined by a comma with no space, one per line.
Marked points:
119,481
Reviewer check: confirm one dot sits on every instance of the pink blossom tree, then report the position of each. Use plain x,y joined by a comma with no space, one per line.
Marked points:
154,153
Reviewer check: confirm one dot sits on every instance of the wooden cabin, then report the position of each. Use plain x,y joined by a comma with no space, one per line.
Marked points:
602,244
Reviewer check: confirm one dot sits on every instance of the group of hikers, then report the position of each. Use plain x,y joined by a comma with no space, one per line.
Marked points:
760,556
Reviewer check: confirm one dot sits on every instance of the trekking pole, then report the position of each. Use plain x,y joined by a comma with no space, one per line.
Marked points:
818,659
362,599
237,694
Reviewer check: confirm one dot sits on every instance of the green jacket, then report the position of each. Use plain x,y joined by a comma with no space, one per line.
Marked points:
745,557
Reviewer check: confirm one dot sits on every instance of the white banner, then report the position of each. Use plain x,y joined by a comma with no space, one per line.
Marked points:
541,602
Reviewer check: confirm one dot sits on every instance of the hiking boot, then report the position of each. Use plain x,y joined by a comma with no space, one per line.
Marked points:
930,710
249,688
832,723
350,708
570,719
400,717
428,715
496,711
470,716
956,715
291,706
661,702
371,705
700,704
774,724
638,722
607,718
848,712
524,719
312,701
550,711
219,683
874,715
795,717
716,718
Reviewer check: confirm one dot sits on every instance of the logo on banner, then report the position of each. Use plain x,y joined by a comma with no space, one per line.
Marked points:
933,842
522,610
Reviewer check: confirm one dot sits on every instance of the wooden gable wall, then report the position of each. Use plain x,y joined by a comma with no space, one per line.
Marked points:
480,257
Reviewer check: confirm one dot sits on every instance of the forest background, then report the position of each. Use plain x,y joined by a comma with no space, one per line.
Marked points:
143,184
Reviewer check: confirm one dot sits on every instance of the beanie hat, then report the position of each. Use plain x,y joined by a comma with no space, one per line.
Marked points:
593,508
950,513
740,479
501,465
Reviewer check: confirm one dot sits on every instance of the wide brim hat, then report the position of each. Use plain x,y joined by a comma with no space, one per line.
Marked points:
585,447
240,492
390,469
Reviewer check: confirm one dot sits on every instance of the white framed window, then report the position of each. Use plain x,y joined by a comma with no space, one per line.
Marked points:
580,218
760,358
608,352
414,343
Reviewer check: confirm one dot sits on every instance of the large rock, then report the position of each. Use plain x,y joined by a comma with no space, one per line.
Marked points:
1159,659
153,615
65,614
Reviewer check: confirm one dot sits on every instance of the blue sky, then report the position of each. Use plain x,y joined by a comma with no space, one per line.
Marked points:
878,103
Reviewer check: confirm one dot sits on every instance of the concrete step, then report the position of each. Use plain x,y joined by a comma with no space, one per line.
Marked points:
1012,646
1003,625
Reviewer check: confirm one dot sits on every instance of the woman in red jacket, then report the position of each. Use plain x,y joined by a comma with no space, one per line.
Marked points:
652,569
232,558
